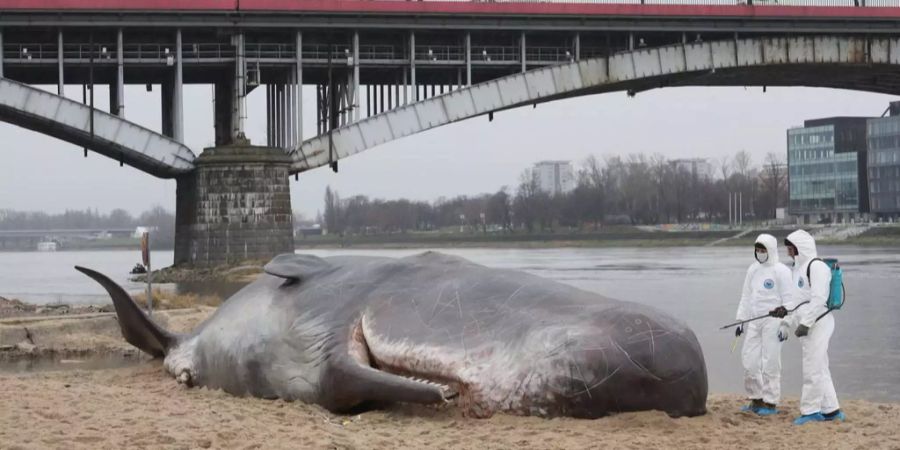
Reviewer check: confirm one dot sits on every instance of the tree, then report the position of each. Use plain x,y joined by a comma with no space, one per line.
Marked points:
119,218
499,209
592,180
332,211
164,222
524,205
743,162
637,189
774,182
725,168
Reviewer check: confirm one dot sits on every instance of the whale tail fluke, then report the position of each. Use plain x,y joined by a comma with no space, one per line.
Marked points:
138,329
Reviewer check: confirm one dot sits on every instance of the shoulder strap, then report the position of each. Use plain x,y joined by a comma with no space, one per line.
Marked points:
807,269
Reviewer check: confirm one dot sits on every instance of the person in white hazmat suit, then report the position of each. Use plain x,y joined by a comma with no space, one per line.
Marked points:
814,327
767,286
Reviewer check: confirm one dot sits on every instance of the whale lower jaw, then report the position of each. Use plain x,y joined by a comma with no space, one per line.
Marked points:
470,388
451,389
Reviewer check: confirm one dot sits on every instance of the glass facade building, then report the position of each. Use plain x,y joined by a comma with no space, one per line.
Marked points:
827,170
884,165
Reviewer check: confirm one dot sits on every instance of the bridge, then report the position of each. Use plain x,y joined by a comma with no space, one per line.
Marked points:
384,69
29,239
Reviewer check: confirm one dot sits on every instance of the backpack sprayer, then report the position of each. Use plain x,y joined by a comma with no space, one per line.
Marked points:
741,322
835,299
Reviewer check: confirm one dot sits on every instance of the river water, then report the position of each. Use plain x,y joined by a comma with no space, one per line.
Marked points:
700,286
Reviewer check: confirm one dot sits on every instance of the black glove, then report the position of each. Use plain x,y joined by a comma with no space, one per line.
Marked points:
739,331
801,331
779,312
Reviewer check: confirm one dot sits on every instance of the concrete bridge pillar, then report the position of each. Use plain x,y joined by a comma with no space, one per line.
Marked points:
235,206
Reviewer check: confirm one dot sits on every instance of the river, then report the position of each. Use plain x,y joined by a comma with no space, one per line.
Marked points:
700,286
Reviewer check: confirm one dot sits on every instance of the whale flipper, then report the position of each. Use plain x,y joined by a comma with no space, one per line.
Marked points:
138,329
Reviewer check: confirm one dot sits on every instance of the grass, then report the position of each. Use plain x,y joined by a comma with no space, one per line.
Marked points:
164,299
242,272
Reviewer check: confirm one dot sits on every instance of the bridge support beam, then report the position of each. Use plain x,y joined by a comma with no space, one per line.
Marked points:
577,46
1,53
354,95
468,59
120,75
61,79
166,97
113,100
222,110
239,89
412,66
298,78
235,206
178,93
523,54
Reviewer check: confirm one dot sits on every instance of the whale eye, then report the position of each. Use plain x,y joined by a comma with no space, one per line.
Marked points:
637,321
628,329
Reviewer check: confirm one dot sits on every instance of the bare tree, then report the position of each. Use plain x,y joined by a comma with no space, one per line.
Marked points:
524,206
774,182
637,188
725,168
591,192
743,162
499,209
332,211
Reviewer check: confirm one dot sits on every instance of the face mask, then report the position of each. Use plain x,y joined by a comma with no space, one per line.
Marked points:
762,257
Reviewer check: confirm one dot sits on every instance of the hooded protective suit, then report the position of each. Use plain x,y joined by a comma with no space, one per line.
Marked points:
767,286
818,393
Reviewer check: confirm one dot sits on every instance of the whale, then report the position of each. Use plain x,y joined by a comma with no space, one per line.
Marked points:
352,333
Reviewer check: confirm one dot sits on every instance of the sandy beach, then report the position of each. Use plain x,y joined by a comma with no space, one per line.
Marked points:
139,406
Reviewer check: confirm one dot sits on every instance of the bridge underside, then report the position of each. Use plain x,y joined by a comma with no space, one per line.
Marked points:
868,78
866,64
109,135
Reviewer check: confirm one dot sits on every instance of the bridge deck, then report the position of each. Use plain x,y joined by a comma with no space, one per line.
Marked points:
692,8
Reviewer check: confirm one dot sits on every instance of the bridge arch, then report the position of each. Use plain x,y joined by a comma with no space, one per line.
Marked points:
112,136
860,63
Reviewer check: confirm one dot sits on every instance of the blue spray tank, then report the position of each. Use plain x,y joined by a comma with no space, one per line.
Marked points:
837,293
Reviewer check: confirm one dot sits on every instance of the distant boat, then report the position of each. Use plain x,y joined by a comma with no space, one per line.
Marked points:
47,246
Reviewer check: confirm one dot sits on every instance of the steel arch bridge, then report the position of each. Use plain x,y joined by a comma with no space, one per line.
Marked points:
109,135
858,63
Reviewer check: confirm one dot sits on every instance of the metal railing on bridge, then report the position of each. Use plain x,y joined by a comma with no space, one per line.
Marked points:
340,54
100,52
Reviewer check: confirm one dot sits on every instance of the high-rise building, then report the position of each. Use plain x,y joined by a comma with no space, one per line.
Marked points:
554,177
884,164
698,167
827,170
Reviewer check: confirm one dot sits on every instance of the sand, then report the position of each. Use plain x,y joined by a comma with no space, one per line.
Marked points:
140,406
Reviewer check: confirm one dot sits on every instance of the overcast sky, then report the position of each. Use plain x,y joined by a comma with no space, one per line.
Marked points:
472,157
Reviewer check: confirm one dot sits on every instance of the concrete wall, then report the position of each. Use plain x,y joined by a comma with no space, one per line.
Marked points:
235,207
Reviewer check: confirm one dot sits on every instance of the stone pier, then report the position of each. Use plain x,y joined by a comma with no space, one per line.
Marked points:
235,206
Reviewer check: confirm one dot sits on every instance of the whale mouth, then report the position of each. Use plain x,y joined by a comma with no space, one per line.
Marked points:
362,354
